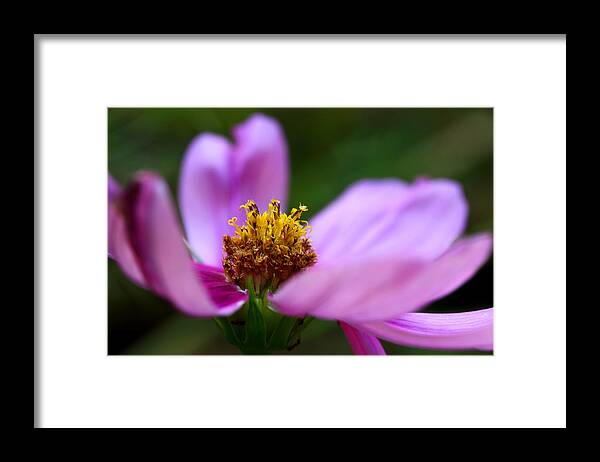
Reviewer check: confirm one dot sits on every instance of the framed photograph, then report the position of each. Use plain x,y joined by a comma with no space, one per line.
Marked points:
346,219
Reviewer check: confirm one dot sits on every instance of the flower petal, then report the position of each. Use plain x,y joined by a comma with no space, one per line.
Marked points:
379,217
119,248
361,342
205,195
455,331
157,241
379,289
222,292
217,177
260,162
114,188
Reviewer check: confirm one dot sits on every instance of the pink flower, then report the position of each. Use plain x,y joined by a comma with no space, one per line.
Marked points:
384,248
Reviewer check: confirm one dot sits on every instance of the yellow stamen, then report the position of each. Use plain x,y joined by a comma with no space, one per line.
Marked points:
269,247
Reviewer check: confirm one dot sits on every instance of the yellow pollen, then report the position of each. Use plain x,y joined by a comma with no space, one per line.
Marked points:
269,247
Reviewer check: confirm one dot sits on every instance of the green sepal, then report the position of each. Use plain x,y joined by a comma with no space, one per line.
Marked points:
281,335
256,329
228,331
299,326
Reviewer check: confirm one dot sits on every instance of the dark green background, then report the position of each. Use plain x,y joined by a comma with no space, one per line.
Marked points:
329,149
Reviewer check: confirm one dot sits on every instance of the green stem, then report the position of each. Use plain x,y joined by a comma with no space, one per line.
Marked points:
257,329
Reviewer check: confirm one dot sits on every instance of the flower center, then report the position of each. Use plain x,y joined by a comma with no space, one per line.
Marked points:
268,248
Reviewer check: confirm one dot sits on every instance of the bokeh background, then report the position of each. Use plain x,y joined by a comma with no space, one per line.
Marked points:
329,149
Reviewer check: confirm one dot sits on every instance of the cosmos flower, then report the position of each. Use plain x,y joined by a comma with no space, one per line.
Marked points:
374,257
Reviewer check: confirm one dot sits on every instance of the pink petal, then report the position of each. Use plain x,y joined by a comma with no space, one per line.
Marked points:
438,330
380,288
217,177
119,247
260,162
361,342
157,241
382,217
113,188
205,195
222,292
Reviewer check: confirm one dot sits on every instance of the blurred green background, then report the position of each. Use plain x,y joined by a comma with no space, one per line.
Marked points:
329,149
